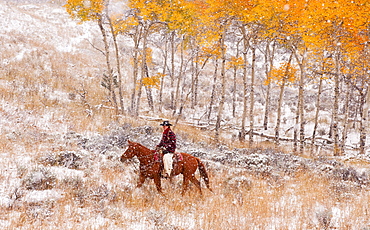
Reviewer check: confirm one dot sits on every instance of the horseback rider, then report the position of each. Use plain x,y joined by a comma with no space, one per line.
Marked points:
168,141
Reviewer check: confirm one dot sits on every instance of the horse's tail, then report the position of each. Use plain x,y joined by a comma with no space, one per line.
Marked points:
203,173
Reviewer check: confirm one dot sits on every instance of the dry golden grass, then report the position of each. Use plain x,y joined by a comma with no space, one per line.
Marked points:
31,86
304,201
194,134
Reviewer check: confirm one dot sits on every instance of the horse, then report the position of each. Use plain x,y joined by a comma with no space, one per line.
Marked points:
151,168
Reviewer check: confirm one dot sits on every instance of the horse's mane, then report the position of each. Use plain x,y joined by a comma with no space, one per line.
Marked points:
139,145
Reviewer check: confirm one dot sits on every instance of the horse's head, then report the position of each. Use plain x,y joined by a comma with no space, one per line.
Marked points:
130,151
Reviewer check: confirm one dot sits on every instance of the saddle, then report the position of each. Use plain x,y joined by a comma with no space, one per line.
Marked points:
158,155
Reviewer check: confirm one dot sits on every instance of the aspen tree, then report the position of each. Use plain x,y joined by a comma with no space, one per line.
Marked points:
96,10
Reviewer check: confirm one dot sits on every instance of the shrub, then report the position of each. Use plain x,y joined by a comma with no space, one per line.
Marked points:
39,179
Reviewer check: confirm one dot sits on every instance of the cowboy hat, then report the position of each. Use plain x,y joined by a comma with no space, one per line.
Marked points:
166,123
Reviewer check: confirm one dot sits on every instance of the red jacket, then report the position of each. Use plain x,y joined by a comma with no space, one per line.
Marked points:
168,140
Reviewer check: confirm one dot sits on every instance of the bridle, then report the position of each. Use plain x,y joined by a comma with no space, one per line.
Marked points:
140,157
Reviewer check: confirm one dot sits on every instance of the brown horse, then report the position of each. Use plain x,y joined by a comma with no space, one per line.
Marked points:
149,168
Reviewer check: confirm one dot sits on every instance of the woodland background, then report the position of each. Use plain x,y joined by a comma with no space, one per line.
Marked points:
245,55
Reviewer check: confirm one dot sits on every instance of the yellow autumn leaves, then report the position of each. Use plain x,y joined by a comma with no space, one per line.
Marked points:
315,24
85,10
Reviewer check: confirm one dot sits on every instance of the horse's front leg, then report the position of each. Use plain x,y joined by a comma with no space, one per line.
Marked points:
141,180
157,181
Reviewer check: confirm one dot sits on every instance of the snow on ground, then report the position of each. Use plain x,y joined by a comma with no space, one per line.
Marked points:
45,22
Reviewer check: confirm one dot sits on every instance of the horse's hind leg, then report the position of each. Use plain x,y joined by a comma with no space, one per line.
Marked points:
197,183
185,184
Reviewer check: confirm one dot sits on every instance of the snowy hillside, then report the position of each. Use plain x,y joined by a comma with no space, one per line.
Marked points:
59,150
